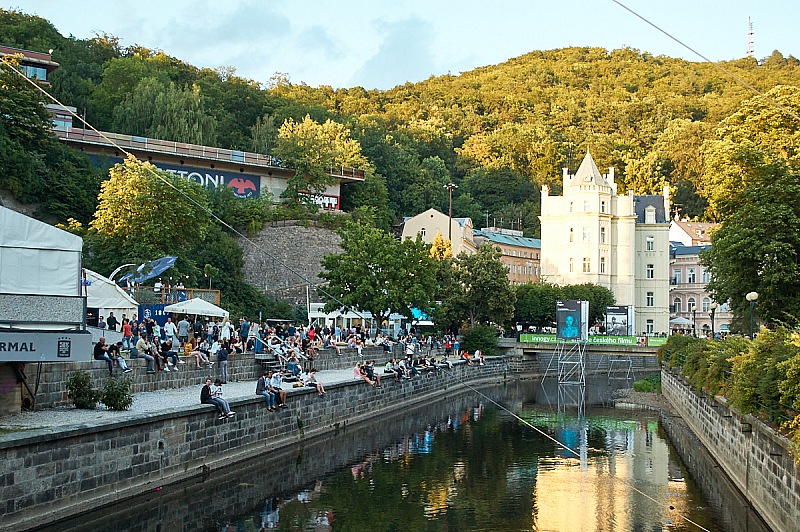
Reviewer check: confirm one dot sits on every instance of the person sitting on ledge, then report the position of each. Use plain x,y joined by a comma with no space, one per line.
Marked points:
360,373
391,370
293,367
145,351
311,380
115,352
465,356
479,357
276,387
198,355
369,369
263,389
207,398
101,353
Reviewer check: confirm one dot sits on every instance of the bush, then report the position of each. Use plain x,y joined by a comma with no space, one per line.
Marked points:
116,394
483,337
81,391
651,384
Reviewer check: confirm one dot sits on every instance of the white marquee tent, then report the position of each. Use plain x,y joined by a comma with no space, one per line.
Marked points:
197,306
104,294
37,258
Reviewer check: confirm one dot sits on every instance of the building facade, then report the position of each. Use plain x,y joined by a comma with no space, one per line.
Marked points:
521,255
427,224
687,291
590,234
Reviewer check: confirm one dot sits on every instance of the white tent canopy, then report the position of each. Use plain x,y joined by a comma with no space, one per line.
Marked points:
104,294
680,321
197,306
37,258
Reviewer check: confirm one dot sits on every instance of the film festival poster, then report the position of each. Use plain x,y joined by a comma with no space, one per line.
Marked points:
568,320
617,321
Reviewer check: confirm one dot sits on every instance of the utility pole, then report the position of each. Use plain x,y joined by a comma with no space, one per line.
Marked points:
450,187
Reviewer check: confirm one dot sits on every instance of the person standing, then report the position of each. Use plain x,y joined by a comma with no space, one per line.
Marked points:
183,331
244,331
222,357
112,322
127,334
171,331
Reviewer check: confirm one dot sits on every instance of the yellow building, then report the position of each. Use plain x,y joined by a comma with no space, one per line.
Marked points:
428,223
520,254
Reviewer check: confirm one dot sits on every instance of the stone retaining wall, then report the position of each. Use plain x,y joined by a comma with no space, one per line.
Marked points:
53,390
756,459
66,470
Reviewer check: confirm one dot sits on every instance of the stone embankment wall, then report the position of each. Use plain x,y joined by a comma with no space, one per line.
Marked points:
53,389
66,470
756,459
284,247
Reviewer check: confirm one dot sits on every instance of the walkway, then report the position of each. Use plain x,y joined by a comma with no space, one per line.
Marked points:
146,403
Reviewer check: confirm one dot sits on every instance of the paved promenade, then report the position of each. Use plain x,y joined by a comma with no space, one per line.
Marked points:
146,403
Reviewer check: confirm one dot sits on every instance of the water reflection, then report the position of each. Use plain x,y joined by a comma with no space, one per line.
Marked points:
462,464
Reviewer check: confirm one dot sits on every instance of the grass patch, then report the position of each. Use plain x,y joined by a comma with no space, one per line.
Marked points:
651,384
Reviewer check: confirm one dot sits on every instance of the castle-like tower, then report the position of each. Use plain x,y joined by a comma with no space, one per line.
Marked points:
592,235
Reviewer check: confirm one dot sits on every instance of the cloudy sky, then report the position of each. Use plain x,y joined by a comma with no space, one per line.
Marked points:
377,44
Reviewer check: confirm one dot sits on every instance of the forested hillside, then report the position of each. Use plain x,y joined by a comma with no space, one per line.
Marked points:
499,132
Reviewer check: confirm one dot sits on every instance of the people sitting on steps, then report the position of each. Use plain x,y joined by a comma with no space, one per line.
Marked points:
207,397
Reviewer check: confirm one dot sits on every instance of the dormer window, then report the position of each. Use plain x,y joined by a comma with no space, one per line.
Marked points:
650,215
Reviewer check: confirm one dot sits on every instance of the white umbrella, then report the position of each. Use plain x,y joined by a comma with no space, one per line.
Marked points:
197,306
680,321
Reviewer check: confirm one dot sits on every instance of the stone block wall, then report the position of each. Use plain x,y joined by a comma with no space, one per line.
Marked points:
66,469
756,459
281,248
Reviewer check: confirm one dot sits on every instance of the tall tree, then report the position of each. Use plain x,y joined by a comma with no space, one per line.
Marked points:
379,274
479,291
314,150
536,304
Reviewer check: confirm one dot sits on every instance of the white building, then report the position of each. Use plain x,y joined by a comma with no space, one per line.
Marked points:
428,223
592,235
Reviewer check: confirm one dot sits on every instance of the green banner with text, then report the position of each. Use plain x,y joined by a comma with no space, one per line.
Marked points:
596,340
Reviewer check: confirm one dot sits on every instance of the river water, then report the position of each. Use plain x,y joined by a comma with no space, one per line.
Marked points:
462,464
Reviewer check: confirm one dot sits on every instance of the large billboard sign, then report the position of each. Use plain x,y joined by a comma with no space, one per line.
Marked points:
243,185
572,319
619,320
45,346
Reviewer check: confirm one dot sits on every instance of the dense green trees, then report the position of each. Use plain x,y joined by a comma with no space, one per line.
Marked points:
536,302
378,274
753,187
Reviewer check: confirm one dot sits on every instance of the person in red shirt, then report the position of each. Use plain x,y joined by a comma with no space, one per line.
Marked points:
127,334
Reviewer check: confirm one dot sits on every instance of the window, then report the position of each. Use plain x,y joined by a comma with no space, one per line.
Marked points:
650,215
587,265
706,305
650,244
677,305
535,270
651,299
571,265
690,303
537,256
602,265
676,276
585,235
602,235
691,277
650,327
706,277
651,271
571,234
422,232
586,206
603,206
570,206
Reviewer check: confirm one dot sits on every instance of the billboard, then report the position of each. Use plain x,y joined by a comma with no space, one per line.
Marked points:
243,185
619,320
572,317
45,346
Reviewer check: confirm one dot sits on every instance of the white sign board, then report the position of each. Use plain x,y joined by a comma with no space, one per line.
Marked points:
45,346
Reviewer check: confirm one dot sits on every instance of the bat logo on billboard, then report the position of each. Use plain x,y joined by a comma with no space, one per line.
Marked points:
242,186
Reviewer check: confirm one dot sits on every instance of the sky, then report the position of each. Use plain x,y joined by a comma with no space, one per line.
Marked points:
375,44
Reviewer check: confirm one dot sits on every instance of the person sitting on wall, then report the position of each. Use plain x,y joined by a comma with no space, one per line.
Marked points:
369,369
276,387
359,373
465,356
263,389
101,353
391,370
189,350
115,352
311,380
167,353
479,357
207,398
293,367
144,349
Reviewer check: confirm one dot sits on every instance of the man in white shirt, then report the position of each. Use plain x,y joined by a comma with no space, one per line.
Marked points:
275,386
171,331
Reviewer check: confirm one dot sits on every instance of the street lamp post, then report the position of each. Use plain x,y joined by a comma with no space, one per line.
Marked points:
694,320
752,297
450,187
714,307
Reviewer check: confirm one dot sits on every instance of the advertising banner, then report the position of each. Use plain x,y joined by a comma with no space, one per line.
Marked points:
45,346
617,323
571,319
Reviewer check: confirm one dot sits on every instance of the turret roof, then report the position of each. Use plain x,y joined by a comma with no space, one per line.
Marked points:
588,172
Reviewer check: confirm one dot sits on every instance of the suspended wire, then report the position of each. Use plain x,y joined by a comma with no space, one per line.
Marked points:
714,64
205,209
563,446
